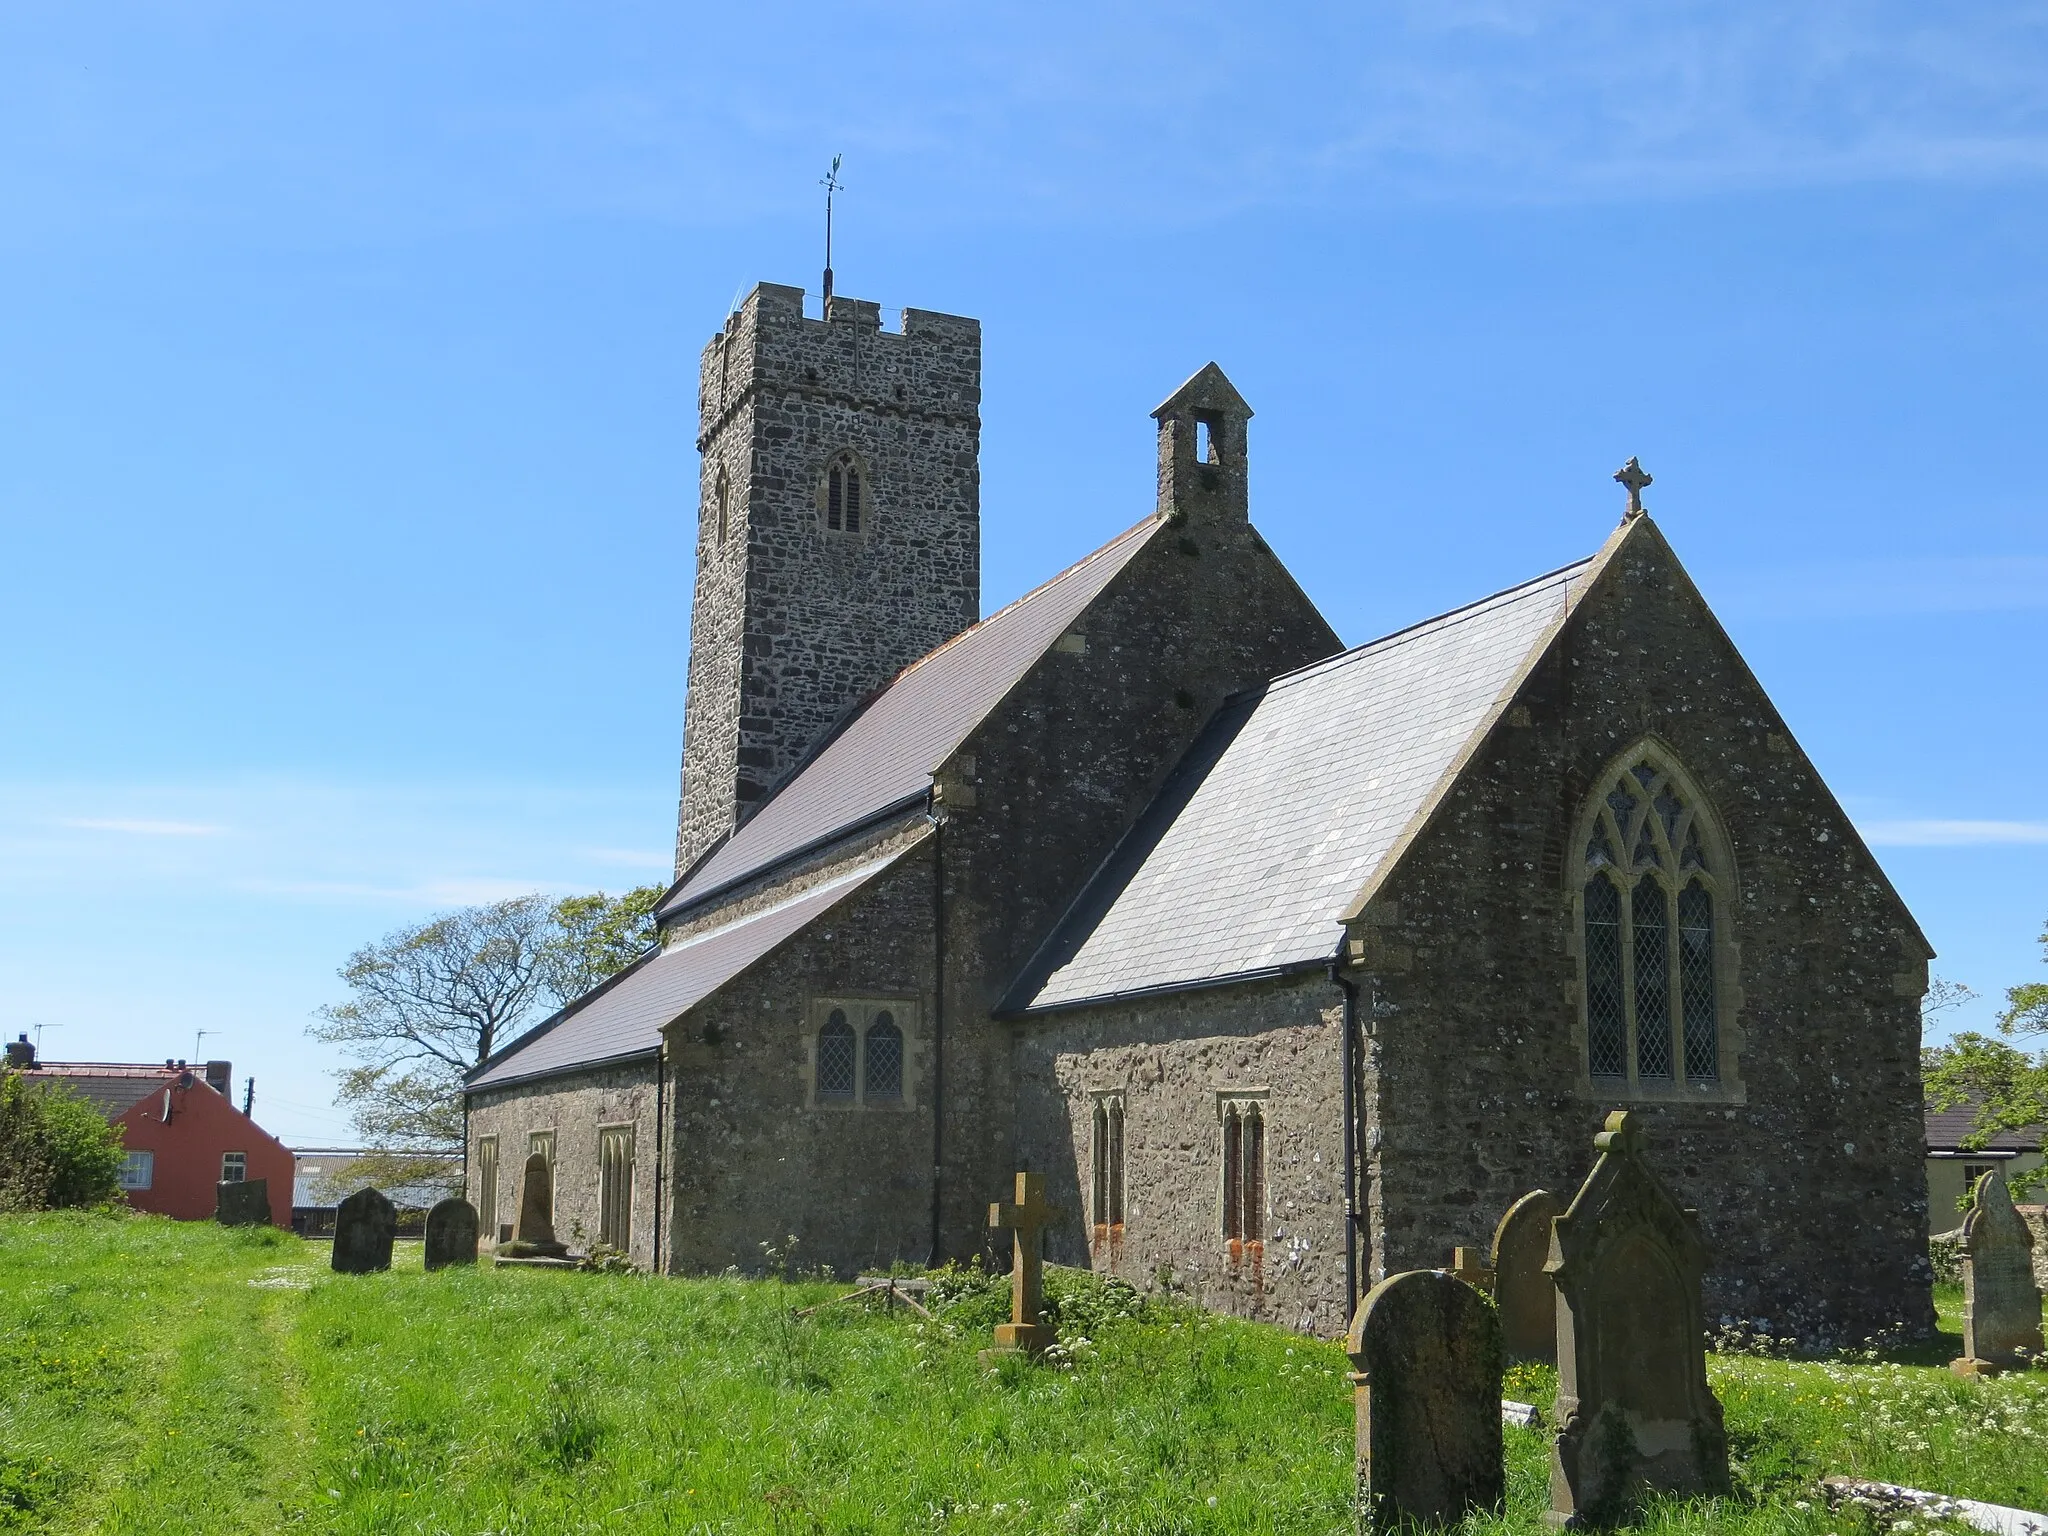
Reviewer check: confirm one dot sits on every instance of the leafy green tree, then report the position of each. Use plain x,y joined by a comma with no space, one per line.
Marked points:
56,1150
597,936
430,1002
2005,1078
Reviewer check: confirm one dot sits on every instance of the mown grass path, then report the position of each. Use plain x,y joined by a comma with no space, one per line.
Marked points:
159,1377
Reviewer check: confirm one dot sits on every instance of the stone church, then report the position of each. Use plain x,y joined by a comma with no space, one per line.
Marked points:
1290,966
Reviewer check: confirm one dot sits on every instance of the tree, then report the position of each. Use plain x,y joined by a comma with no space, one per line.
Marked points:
2007,1083
56,1150
431,1002
597,936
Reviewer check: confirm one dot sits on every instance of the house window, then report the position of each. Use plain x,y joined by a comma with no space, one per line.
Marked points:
1244,1169
487,1185
615,1186
234,1167
845,495
1972,1172
1652,887
1106,1158
837,1049
882,1065
861,1053
138,1170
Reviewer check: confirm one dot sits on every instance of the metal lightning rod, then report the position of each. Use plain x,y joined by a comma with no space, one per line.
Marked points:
832,185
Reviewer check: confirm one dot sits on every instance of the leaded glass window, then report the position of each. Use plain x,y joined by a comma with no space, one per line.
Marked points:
884,1065
1650,926
836,1051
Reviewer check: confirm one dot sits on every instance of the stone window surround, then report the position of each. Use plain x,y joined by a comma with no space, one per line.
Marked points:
1240,1100
1108,1187
1721,880
852,456
487,1186
613,1133
860,1010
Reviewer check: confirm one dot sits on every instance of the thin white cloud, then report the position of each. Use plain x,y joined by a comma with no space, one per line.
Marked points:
143,828
1953,834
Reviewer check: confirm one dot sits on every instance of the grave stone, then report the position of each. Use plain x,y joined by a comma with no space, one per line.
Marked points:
451,1234
1525,1295
1426,1353
1026,1216
364,1225
2001,1306
242,1202
535,1236
1634,1411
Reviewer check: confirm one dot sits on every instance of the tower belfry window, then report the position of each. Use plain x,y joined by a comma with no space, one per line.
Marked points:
845,495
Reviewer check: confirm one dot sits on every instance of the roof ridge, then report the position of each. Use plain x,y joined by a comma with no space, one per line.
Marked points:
1017,602
1450,615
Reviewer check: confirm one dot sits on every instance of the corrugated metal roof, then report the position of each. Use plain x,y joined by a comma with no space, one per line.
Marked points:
111,1088
626,1016
1288,804
888,752
1946,1129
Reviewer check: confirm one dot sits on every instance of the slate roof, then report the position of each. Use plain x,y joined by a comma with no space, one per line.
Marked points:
1946,1129
112,1088
886,755
1294,798
625,1017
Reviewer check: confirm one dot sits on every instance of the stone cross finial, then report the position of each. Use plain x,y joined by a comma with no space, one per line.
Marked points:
1633,478
1026,1216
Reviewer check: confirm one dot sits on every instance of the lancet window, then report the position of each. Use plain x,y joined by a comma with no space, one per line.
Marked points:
1106,1156
1244,1170
1652,916
845,495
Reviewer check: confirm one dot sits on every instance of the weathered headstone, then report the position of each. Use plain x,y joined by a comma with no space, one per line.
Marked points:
1470,1266
1634,1411
1426,1353
1525,1295
364,1225
2001,1306
451,1234
535,1237
1026,1217
242,1202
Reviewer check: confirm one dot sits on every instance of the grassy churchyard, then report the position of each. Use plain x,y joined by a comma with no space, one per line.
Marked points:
158,1376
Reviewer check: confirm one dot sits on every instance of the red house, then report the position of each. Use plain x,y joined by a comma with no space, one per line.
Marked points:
181,1129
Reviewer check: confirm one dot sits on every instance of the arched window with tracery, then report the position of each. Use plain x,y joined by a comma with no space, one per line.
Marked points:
836,1053
1244,1171
883,1061
845,495
1653,932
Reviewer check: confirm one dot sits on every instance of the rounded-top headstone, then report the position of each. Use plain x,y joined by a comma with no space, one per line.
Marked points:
2001,1305
1426,1348
451,1234
364,1226
1524,1294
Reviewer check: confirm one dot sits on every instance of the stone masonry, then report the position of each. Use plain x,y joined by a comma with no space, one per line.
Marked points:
794,623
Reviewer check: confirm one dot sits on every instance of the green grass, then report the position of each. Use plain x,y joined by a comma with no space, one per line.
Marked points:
171,1377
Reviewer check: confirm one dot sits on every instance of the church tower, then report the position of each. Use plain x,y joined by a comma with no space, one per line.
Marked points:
838,532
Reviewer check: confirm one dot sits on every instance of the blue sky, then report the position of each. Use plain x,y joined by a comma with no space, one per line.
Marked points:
346,465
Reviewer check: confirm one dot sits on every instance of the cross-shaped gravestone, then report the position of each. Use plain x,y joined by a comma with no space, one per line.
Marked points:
1026,1216
1470,1266
1634,477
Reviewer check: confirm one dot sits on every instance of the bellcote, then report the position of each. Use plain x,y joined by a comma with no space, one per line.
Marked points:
1202,451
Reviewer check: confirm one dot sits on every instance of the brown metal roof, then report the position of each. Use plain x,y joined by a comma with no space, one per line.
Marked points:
888,752
626,1017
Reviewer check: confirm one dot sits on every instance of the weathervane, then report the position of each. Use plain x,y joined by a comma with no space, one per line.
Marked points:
831,184
1632,476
